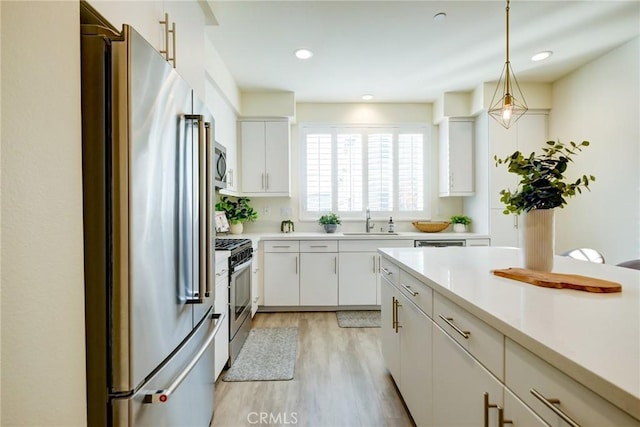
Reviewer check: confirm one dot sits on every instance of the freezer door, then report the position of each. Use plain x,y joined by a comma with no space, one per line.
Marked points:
160,230
182,393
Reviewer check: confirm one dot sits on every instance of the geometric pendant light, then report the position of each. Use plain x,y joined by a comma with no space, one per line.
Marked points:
507,104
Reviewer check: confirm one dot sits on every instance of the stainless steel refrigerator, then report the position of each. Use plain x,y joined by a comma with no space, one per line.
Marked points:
149,236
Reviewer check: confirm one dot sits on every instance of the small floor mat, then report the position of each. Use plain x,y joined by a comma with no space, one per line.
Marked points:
359,319
268,354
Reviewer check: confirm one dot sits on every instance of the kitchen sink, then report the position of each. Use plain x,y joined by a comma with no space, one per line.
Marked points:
371,233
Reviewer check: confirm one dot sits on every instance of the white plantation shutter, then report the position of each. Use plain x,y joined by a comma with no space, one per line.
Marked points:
349,172
410,172
345,169
319,172
380,172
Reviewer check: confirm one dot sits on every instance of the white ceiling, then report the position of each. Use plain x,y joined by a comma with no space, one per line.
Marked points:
397,52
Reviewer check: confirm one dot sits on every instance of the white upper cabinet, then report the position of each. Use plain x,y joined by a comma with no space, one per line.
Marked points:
265,158
456,157
145,17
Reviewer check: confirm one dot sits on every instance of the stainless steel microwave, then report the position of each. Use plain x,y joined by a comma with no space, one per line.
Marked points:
220,166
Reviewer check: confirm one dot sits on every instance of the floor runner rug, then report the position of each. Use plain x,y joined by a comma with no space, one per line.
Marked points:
269,354
358,319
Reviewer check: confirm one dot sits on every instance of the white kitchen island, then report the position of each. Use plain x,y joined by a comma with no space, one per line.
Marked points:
529,343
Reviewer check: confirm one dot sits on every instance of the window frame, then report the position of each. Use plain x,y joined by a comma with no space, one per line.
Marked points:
334,128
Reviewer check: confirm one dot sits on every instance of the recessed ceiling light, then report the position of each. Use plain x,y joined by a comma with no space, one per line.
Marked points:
303,53
367,97
441,16
541,55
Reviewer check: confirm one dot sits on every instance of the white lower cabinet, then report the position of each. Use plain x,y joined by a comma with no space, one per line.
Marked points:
281,278
358,276
459,385
406,348
221,305
256,279
319,279
390,339
359,267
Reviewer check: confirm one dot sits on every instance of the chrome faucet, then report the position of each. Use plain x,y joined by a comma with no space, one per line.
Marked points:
368,224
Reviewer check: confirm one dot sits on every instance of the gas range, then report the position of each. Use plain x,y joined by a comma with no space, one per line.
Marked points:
241,250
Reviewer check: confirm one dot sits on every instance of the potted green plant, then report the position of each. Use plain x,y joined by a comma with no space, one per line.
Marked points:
237,212
460,223
330,222
541,188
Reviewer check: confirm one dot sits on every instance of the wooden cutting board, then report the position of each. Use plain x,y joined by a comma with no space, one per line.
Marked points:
559,280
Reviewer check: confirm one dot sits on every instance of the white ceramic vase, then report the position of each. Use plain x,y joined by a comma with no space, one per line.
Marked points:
236,228
459,228
538,239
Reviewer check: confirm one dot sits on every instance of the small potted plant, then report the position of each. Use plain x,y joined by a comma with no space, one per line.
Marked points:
237,212
330,222
460,223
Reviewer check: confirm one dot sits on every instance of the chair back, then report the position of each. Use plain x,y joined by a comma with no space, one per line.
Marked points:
585,254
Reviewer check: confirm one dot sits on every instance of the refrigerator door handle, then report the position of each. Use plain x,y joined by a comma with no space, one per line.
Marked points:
163,395
209,240
201,197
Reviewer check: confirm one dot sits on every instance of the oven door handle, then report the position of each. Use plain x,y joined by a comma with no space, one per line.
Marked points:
240,267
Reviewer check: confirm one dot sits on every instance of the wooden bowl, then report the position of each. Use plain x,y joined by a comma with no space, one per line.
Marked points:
431,226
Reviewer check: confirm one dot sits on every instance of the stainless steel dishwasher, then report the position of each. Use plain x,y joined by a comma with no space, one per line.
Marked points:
439,243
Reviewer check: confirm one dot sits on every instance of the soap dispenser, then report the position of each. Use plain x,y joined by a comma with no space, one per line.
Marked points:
392,226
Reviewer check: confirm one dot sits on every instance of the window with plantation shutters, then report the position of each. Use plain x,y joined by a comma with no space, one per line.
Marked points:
347,169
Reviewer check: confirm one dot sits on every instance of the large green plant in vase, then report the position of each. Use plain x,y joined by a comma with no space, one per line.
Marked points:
541,188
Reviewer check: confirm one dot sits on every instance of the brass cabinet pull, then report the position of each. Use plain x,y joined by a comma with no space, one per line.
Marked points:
550,403
449,321
501,420
411,291
165,52
487,406
393,312
397,325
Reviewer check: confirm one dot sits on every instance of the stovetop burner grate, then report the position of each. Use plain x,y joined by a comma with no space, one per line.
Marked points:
231,244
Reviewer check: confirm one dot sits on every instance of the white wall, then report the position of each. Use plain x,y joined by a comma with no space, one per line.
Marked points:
43,378
600,103
361,113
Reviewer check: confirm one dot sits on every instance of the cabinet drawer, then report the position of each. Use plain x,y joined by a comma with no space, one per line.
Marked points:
416,291
478,242
527,374
390,271
281,246
481,340
373,245
318,246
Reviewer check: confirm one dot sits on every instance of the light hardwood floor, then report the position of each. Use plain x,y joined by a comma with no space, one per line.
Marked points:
340,380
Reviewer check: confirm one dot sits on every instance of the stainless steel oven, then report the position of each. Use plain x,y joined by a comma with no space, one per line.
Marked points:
239,292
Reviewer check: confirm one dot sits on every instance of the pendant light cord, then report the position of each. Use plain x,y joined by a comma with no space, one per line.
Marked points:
508,80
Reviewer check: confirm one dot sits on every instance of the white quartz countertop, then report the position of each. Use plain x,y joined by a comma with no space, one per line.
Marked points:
343,236
593,337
